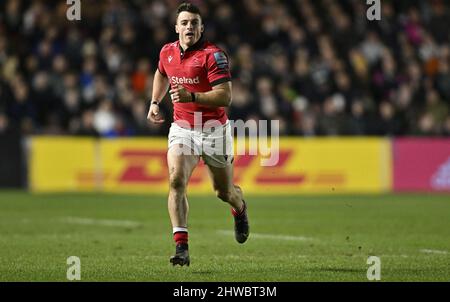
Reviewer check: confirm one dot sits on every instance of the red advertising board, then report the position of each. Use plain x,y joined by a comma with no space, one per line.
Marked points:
421,165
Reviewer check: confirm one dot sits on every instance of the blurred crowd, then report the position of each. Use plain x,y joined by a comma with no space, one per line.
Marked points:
318,66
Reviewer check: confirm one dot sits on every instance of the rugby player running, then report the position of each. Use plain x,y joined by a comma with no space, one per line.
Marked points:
199,78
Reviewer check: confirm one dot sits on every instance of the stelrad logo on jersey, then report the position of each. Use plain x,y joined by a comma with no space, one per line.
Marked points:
184,80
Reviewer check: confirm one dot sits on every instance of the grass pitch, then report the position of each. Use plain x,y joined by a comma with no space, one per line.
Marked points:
298,238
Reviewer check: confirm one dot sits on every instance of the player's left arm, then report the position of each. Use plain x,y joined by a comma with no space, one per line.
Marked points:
219,96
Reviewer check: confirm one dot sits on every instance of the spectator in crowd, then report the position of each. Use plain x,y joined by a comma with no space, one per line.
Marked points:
4,123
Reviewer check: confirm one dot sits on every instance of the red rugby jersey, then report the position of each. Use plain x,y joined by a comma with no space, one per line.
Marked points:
198,69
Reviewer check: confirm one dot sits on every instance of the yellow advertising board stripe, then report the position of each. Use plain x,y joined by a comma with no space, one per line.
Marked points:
62,164
320,165
136,164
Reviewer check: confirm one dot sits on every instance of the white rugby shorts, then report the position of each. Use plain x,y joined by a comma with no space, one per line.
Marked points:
214,145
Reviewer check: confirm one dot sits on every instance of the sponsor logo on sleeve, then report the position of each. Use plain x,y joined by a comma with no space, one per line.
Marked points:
221,60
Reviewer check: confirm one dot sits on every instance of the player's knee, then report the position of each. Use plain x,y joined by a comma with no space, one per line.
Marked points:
177,182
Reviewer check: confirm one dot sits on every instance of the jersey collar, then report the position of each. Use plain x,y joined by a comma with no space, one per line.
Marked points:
196,46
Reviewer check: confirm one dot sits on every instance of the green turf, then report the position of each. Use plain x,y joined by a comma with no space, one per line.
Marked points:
38,232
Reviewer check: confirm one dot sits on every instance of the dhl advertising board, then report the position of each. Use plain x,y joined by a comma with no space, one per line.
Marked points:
328,165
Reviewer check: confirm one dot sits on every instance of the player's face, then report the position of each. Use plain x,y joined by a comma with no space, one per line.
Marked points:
189,28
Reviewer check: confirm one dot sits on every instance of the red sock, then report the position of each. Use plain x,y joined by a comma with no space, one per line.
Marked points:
240,212
180,237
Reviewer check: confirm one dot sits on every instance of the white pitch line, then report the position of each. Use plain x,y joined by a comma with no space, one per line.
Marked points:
102,222
428,251
270,236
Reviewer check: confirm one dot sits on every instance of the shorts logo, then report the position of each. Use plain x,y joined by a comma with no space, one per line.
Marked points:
184,80
221,60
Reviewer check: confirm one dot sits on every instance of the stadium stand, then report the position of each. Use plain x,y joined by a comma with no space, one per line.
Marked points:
320,67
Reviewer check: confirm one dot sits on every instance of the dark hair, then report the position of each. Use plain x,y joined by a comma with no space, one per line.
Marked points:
188,7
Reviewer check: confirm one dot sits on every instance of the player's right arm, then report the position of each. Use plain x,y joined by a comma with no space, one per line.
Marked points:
160,87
